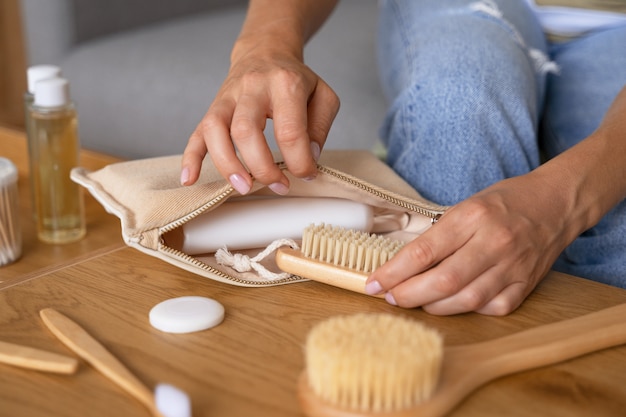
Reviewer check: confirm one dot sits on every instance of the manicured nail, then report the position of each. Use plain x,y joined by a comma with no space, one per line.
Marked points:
373,288
279,188
184,176
390,299
315,150
239,183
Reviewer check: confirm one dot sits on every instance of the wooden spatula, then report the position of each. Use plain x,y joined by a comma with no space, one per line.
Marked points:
37,359
88,348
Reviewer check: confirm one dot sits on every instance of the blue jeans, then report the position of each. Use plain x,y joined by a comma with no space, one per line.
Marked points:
476,93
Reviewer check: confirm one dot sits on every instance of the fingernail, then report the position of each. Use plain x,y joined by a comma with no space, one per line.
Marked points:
390,299
239,184
373,288
315,150
279,188
184,176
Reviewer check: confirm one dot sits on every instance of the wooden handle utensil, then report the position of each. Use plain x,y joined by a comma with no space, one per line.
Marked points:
37,359
88,348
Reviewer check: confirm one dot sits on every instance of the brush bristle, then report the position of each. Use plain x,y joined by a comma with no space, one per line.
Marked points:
373,362
348,248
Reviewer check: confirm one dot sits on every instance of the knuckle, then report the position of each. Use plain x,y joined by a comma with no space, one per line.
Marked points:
449,282
288,79
434,310
242,128
298,170
421,253
501,306
472,299
210,121
476,210
335,102
320,127
252,79
329,98
403,300
266,174
289,134
503,238
195,142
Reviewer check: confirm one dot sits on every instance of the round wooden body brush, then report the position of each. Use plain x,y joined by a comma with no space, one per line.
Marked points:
387,365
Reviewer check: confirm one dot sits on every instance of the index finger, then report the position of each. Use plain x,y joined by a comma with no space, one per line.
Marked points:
419,255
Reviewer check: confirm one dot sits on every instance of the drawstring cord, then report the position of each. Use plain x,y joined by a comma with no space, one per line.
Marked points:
243,263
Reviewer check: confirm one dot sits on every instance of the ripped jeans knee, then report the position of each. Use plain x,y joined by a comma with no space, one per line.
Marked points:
465,80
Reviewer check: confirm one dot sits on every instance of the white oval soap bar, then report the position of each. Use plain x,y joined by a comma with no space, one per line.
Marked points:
186,314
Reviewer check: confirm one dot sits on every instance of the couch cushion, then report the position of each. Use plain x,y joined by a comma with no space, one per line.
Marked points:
95,18
141,93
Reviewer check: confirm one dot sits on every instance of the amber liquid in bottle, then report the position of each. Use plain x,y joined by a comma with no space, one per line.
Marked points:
34,74
58,200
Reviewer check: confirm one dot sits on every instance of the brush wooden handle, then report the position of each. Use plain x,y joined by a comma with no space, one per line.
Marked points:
467,367
88,348
294,262
37,359
551,343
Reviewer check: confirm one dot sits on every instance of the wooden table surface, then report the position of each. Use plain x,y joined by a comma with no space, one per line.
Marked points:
103,229
248,365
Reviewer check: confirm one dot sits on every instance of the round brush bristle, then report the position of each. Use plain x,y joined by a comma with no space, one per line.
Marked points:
373,362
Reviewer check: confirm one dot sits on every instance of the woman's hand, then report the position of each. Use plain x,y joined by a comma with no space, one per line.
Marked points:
485,254
263,82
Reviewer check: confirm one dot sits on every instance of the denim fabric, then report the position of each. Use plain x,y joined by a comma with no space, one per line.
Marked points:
592,71
473,85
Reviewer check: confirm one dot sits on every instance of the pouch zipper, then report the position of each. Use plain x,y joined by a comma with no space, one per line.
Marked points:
433,215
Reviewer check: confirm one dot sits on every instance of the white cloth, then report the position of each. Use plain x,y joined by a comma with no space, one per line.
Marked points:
571,21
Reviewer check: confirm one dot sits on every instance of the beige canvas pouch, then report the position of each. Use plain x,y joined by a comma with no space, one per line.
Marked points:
152,206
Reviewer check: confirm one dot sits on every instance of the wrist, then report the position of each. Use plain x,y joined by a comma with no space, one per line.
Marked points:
580,183
265,45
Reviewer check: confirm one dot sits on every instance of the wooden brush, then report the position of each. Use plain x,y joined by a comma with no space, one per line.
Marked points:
337,256
165,402
387,366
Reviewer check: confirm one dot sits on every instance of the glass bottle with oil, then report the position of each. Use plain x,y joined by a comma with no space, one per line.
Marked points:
55,151
34,74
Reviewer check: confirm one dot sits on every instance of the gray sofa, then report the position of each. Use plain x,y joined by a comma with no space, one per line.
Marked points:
143,72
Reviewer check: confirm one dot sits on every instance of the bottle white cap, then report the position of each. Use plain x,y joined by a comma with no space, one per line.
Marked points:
40,72
52,92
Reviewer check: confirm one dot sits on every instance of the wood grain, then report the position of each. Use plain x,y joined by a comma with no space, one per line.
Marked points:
249,364
91,350
103,229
